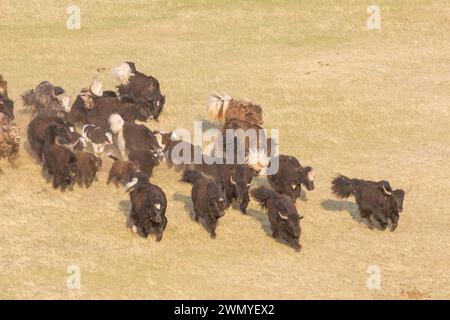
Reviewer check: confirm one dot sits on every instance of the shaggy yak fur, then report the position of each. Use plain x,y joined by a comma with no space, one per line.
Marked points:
223,108
59,161
47,99
146,159
207,198
376,200
283,216
7,107
290,176
9,139
148,207
88,166
122,171
140,87
130,136
234,179
3,87
65,132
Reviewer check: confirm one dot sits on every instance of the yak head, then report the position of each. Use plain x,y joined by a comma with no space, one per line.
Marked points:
216,200
158,104
396,200
140,109
395,197
241,179
288,214
81,142
65,136
156,209
153,105
7,107
58,94
306,177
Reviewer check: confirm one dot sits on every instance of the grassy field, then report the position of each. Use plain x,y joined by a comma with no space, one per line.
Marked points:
369,104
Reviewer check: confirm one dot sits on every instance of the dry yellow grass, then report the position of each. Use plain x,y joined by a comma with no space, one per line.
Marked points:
369,104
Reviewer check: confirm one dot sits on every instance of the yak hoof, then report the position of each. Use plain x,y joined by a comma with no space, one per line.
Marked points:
134,229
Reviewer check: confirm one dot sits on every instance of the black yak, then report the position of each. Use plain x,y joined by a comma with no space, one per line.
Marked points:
235,180
290,176
65,132
148,207
47,98
283,216
59,161
207,198
130,136
375,200
7,107
140,87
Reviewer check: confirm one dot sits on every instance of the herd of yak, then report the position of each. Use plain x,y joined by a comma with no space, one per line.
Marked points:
68,140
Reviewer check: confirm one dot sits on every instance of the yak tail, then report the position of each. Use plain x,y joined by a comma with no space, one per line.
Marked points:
112,157
122,73
217,106
344,187
262,195
28,98
191,176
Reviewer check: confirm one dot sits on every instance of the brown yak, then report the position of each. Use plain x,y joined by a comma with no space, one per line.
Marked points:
223,108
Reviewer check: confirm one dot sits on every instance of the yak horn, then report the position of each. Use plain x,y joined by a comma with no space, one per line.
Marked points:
218,95
69,146
282,216
232,180
409,189
386,192
83,132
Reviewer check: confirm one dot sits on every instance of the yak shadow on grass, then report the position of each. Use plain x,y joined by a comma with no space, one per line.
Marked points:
343,205
262,218
125,208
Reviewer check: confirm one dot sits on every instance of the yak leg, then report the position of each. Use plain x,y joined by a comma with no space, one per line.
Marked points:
244,204
110,177
366,216
381,219
212,224
296,243
161,230
394,220
195,215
